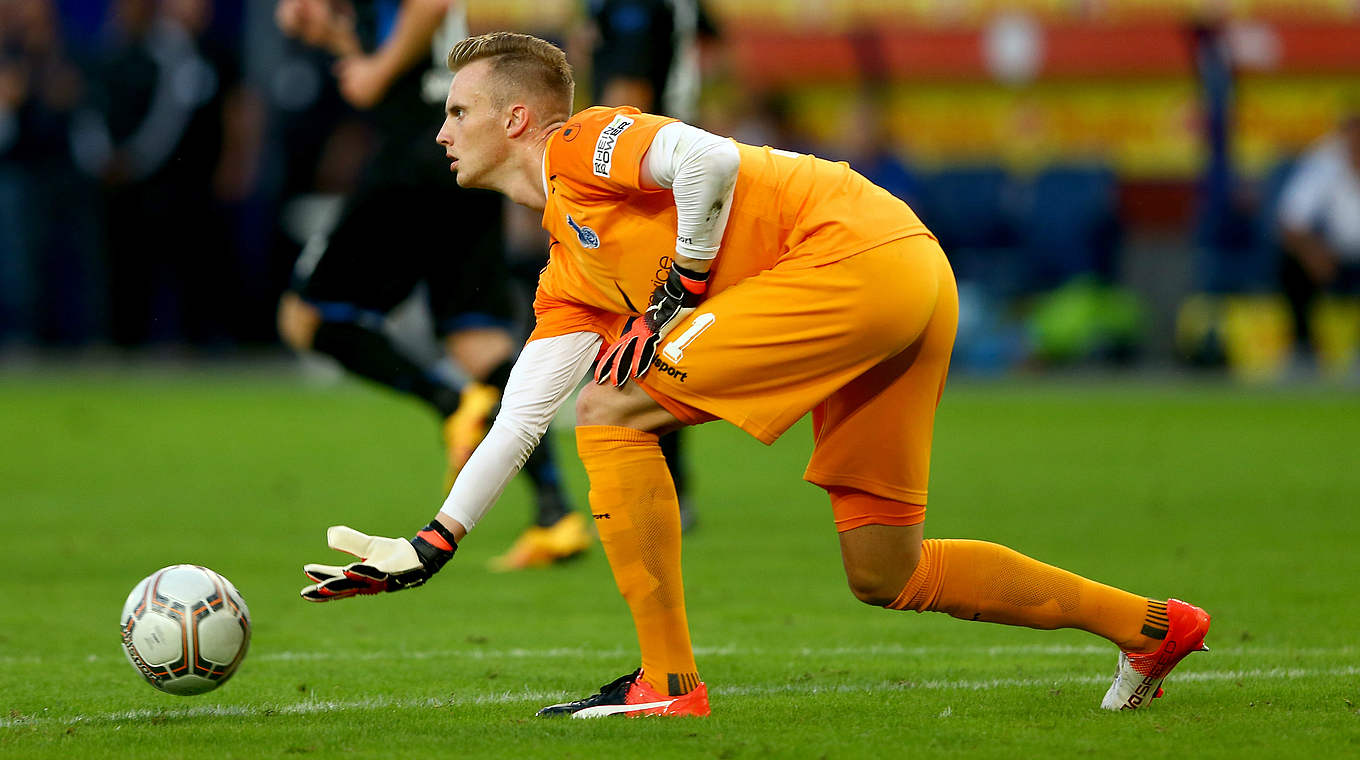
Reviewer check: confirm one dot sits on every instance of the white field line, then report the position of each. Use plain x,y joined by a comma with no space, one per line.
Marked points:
317,706
586,653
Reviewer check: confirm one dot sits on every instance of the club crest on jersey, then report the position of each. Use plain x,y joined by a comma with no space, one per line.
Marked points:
604,147
586,235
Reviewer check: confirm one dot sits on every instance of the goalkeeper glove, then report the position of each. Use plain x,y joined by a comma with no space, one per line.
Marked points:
673,300
385,564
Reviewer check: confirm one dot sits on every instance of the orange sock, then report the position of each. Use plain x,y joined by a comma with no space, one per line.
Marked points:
977,580
638,519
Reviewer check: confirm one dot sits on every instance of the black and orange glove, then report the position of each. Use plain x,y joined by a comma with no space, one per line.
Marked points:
631,355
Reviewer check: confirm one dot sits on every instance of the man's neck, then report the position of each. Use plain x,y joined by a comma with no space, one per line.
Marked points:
527,187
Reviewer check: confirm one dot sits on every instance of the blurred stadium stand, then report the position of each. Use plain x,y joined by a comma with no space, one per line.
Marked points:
1046,142
1070,225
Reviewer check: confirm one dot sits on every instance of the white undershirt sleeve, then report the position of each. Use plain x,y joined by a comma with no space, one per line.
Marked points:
700,168
544,376
1305,194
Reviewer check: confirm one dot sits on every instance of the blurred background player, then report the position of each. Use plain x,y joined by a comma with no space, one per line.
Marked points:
646,54
392,235
171,133
1319,216
47,227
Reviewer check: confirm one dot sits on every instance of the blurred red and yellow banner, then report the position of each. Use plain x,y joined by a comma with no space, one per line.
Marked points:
1032,82
1146,128
841,15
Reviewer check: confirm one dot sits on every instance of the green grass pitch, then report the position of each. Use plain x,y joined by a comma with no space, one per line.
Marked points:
1243,501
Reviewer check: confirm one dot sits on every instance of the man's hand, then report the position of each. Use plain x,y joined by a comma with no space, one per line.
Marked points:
672,301
1317,258
1321,267
385,564
325,24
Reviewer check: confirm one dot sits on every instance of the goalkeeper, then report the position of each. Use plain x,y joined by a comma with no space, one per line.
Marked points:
715,280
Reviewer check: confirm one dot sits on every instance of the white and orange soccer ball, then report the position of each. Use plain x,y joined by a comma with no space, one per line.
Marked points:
185,629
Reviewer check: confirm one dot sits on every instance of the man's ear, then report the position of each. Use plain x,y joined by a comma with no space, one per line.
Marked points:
516,120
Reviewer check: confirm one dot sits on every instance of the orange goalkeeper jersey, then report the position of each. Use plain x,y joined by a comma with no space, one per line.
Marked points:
612,242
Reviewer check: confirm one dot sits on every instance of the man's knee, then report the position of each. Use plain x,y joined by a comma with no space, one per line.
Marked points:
879,561
480,350
297,322
598,405
877,585
629,406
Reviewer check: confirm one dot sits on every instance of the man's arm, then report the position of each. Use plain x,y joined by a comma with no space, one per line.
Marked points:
545,375
1301,203
543,378
700,169
325,24
1317,258
365,79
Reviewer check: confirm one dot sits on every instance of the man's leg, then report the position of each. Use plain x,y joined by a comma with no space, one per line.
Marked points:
982,581
1301,292
363,349
878,497
987,582
343,288
637,515
672,450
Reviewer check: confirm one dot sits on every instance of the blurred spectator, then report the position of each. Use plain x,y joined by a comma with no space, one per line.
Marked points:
172,136
314,152
47,234
1319,216
768,119
866,145
1224,221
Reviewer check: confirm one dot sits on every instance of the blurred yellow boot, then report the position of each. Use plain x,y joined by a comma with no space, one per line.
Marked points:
538,546
466,428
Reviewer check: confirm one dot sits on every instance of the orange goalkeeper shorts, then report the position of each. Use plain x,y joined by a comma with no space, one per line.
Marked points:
863,343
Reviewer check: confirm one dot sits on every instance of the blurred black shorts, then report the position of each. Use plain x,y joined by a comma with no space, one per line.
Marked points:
389,239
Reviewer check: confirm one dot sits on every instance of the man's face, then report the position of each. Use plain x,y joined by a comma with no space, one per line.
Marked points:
473,134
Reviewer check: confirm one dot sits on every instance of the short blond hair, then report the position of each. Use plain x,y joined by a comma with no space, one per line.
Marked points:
525,64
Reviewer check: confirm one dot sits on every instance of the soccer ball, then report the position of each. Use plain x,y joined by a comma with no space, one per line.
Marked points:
185,629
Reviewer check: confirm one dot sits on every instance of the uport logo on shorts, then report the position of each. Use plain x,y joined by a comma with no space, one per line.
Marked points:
667,369
586,235
604,147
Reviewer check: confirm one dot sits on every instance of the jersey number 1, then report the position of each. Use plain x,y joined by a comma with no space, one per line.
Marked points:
675,350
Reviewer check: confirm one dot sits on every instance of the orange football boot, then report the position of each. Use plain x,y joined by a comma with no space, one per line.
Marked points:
633,697
1138,679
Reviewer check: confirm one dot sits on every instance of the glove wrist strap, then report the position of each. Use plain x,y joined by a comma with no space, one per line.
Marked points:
692,281
435,545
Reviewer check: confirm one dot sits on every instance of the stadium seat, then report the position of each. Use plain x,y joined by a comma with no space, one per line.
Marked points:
969,210
1071,224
